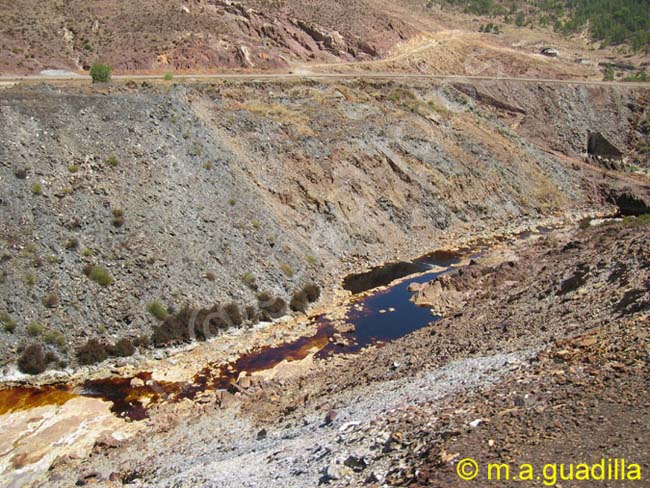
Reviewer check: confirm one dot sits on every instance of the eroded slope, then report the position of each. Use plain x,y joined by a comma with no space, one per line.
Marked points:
199,195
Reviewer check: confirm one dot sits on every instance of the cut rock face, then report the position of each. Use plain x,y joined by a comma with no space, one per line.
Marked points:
600,150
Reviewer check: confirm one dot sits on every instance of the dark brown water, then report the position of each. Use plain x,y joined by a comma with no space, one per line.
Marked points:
127,399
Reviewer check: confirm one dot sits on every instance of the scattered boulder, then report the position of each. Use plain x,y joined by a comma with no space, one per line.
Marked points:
356,462
336,471
330,416
225,399
244,382
551,52
413,287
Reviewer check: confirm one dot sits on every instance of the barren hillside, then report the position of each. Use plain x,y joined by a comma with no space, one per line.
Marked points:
120,199
197,35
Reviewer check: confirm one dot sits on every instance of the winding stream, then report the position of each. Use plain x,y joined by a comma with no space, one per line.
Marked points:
378,316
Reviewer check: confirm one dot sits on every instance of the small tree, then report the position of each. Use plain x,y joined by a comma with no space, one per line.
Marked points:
100,73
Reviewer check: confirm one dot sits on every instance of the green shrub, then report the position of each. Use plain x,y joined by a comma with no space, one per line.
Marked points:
401,94
32,360
37,189
118,217
92,352
34,329
51,300
232,202
100,73
168,77
29,249
638,221
72,243
54,338
164,335
287,269
113,161
8,324
29,279
88,252
248,278
264,296
158,310
73,168
100,275
142,341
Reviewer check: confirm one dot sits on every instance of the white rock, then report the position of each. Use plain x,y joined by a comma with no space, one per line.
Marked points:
476,423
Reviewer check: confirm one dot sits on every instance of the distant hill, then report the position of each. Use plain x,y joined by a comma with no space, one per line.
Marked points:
612,22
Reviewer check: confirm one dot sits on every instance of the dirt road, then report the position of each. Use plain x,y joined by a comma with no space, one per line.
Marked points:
207,77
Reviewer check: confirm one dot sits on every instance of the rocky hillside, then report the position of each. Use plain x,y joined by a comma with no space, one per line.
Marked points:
123,204
550,120
175,35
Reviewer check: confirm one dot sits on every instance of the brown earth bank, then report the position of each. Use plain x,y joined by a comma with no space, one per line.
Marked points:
125,204
544,362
